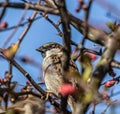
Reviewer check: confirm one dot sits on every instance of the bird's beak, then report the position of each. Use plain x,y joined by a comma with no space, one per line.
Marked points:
38,49
41,49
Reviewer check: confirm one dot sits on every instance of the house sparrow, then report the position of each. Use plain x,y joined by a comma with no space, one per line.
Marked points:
52,69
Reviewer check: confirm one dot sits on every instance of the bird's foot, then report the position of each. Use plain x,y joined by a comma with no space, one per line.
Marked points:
49,93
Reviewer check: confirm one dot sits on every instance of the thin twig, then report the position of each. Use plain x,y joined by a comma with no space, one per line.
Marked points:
31,6
94,35
87,13
43,93
21,25
58,29
55,25
115,64
3,11
27,28
117,79
28,77
16,28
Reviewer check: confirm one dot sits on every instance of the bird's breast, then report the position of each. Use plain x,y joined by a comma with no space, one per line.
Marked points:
53,74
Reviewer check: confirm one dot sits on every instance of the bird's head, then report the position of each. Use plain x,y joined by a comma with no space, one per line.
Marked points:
50,48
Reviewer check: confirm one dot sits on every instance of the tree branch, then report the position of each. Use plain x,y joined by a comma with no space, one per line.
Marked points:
30,6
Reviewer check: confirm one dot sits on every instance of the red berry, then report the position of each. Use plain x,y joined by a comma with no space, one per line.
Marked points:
1,80
3,25
66,89
29,18
110,83
27,83
5,80
93,56
80,0
84,6
26,59
77,10
112,73
106,96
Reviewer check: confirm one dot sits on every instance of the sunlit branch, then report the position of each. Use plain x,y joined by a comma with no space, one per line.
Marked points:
30,6
115,64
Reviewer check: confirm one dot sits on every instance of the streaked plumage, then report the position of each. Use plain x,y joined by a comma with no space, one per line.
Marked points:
52,68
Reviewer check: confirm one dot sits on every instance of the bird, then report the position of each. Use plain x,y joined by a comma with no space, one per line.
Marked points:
52,54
